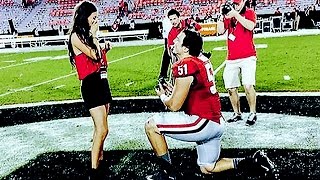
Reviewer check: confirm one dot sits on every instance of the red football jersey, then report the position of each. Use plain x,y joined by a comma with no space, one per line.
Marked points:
203,99
242,46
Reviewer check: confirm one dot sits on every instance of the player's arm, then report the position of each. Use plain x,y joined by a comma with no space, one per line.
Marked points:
184,73
77,43
179,93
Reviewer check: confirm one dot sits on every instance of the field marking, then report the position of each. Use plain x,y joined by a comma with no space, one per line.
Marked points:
65,76
257,46
9,55
35,85
13,65
57,87
224,48
20,64
9,61
60,57
219,68
142,52
276,128
36,59
32,60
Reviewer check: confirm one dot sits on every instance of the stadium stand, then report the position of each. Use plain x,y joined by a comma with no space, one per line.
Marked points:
27,41
52,14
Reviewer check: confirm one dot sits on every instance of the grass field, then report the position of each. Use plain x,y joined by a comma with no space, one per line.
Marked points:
48,76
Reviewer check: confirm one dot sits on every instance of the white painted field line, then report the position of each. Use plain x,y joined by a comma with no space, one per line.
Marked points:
9,61
219,67
35,85
9,55
57,87
20,64
35,60
13,65
126,57
65,76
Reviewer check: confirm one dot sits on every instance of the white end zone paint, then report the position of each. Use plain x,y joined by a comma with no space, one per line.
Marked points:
26,141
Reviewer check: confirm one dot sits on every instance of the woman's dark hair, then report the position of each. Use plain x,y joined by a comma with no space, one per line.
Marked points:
81,27
173,12
193,41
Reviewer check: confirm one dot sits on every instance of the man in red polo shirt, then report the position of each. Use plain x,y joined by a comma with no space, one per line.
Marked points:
241,59
178,25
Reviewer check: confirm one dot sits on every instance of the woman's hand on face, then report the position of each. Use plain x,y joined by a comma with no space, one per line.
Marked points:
94,28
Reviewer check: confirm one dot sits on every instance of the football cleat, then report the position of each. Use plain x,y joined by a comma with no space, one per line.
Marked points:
161,175
252,118
235,117
263,163
94,174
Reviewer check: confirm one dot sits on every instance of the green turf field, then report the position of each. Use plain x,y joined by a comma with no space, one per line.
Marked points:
135,70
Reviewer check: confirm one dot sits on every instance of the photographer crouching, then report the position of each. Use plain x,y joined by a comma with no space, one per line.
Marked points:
239,21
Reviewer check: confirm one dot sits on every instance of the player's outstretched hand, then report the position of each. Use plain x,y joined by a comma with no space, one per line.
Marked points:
168,88
159,89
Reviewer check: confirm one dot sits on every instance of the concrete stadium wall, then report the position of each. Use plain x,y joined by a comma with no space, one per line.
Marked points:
289,104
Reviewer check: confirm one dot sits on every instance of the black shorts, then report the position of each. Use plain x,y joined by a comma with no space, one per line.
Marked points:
95,91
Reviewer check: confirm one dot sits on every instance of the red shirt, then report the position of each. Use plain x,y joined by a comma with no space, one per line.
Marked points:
175,31
85,65
243,45
121,4
203,99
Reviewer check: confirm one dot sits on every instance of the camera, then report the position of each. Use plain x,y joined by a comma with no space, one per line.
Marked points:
207,54
226,8
190,25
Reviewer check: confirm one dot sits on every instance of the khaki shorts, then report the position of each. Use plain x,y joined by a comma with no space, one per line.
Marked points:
245,67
